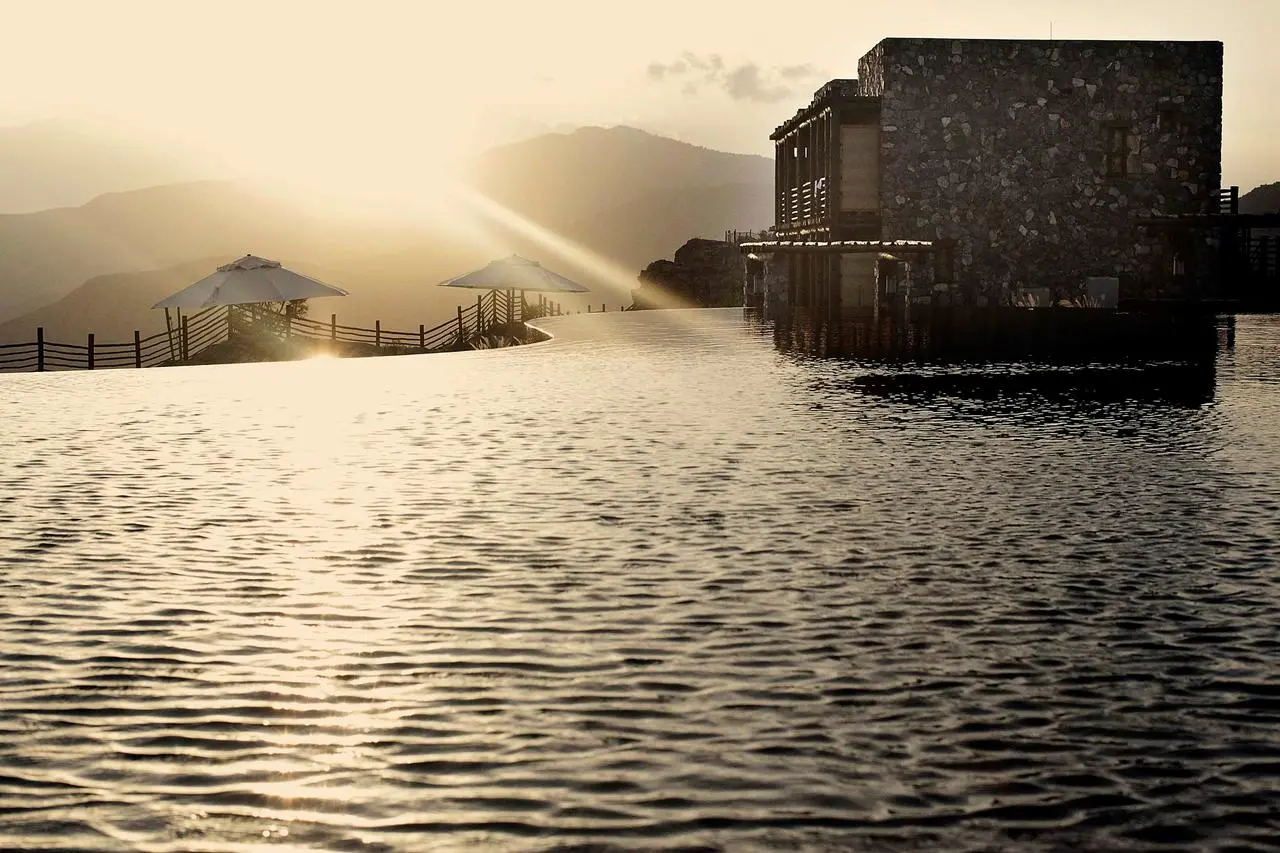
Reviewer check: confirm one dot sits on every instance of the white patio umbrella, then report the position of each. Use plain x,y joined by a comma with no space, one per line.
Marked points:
516,273
248,281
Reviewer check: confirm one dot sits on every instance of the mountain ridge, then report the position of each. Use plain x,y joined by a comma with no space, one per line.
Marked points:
1261,199
57,163
545,178
621,192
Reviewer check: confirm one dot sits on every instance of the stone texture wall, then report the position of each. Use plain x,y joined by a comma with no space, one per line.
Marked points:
1001,145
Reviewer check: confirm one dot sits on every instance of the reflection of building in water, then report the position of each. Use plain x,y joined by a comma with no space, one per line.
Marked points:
1187,384
980,173
962,333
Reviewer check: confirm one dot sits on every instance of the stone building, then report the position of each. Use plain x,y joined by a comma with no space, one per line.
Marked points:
1020,165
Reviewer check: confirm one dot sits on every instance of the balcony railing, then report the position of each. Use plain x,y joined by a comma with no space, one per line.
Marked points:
805,203
1226,200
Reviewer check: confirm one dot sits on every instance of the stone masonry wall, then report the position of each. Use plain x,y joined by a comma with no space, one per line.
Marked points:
1001,145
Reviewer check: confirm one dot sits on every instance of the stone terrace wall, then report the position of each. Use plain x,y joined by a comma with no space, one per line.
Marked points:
1002,146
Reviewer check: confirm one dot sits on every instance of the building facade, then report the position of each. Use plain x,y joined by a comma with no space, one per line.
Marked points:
1026,165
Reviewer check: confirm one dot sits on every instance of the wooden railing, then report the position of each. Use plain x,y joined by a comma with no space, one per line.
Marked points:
196,332
478,325
737,237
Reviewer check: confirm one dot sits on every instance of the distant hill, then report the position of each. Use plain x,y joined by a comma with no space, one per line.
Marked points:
57,163
1263,199
111,306
622,193
651,226
46,255
559,179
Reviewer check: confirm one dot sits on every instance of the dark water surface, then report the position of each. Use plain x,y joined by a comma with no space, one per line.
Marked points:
650,585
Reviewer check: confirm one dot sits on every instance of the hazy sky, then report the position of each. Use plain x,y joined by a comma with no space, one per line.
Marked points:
379,91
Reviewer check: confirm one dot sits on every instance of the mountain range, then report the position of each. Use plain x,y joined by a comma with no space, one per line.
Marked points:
113,245
59,163
624,195
562,178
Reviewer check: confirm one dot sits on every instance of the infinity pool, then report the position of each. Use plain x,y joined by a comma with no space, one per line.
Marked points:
649,585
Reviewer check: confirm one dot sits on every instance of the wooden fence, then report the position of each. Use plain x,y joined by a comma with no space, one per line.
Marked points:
482,324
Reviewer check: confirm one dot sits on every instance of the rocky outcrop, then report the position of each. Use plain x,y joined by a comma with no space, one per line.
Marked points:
1263,199
703,274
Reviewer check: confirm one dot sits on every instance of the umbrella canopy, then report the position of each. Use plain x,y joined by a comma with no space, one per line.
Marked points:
516,273
247,281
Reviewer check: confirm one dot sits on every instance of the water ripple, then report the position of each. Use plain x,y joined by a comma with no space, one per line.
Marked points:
652,585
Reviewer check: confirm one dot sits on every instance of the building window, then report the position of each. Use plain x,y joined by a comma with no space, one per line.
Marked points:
1117,150
1167,118
944,261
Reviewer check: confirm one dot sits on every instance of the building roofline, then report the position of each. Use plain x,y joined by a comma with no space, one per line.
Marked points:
847,90
1043,41
838,91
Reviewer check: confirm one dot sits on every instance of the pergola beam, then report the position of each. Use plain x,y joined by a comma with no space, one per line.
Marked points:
843,247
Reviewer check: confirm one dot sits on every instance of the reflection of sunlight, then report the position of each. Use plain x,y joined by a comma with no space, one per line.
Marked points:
322,627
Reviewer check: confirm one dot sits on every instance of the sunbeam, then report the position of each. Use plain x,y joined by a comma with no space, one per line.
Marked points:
490,215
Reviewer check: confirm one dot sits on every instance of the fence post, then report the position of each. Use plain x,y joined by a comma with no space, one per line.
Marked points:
91,350
288,320
231,321
462,333
480,314
333,327
422,336
137,348
186,353
40,349
511,306
377,334
168,328
588,307
603,308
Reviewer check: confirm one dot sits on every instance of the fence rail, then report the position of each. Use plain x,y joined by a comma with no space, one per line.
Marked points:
484,324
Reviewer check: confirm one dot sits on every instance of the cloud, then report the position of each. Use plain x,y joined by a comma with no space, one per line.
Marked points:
796,72
748,81
659,72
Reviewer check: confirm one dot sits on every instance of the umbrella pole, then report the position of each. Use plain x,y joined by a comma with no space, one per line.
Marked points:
168,326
